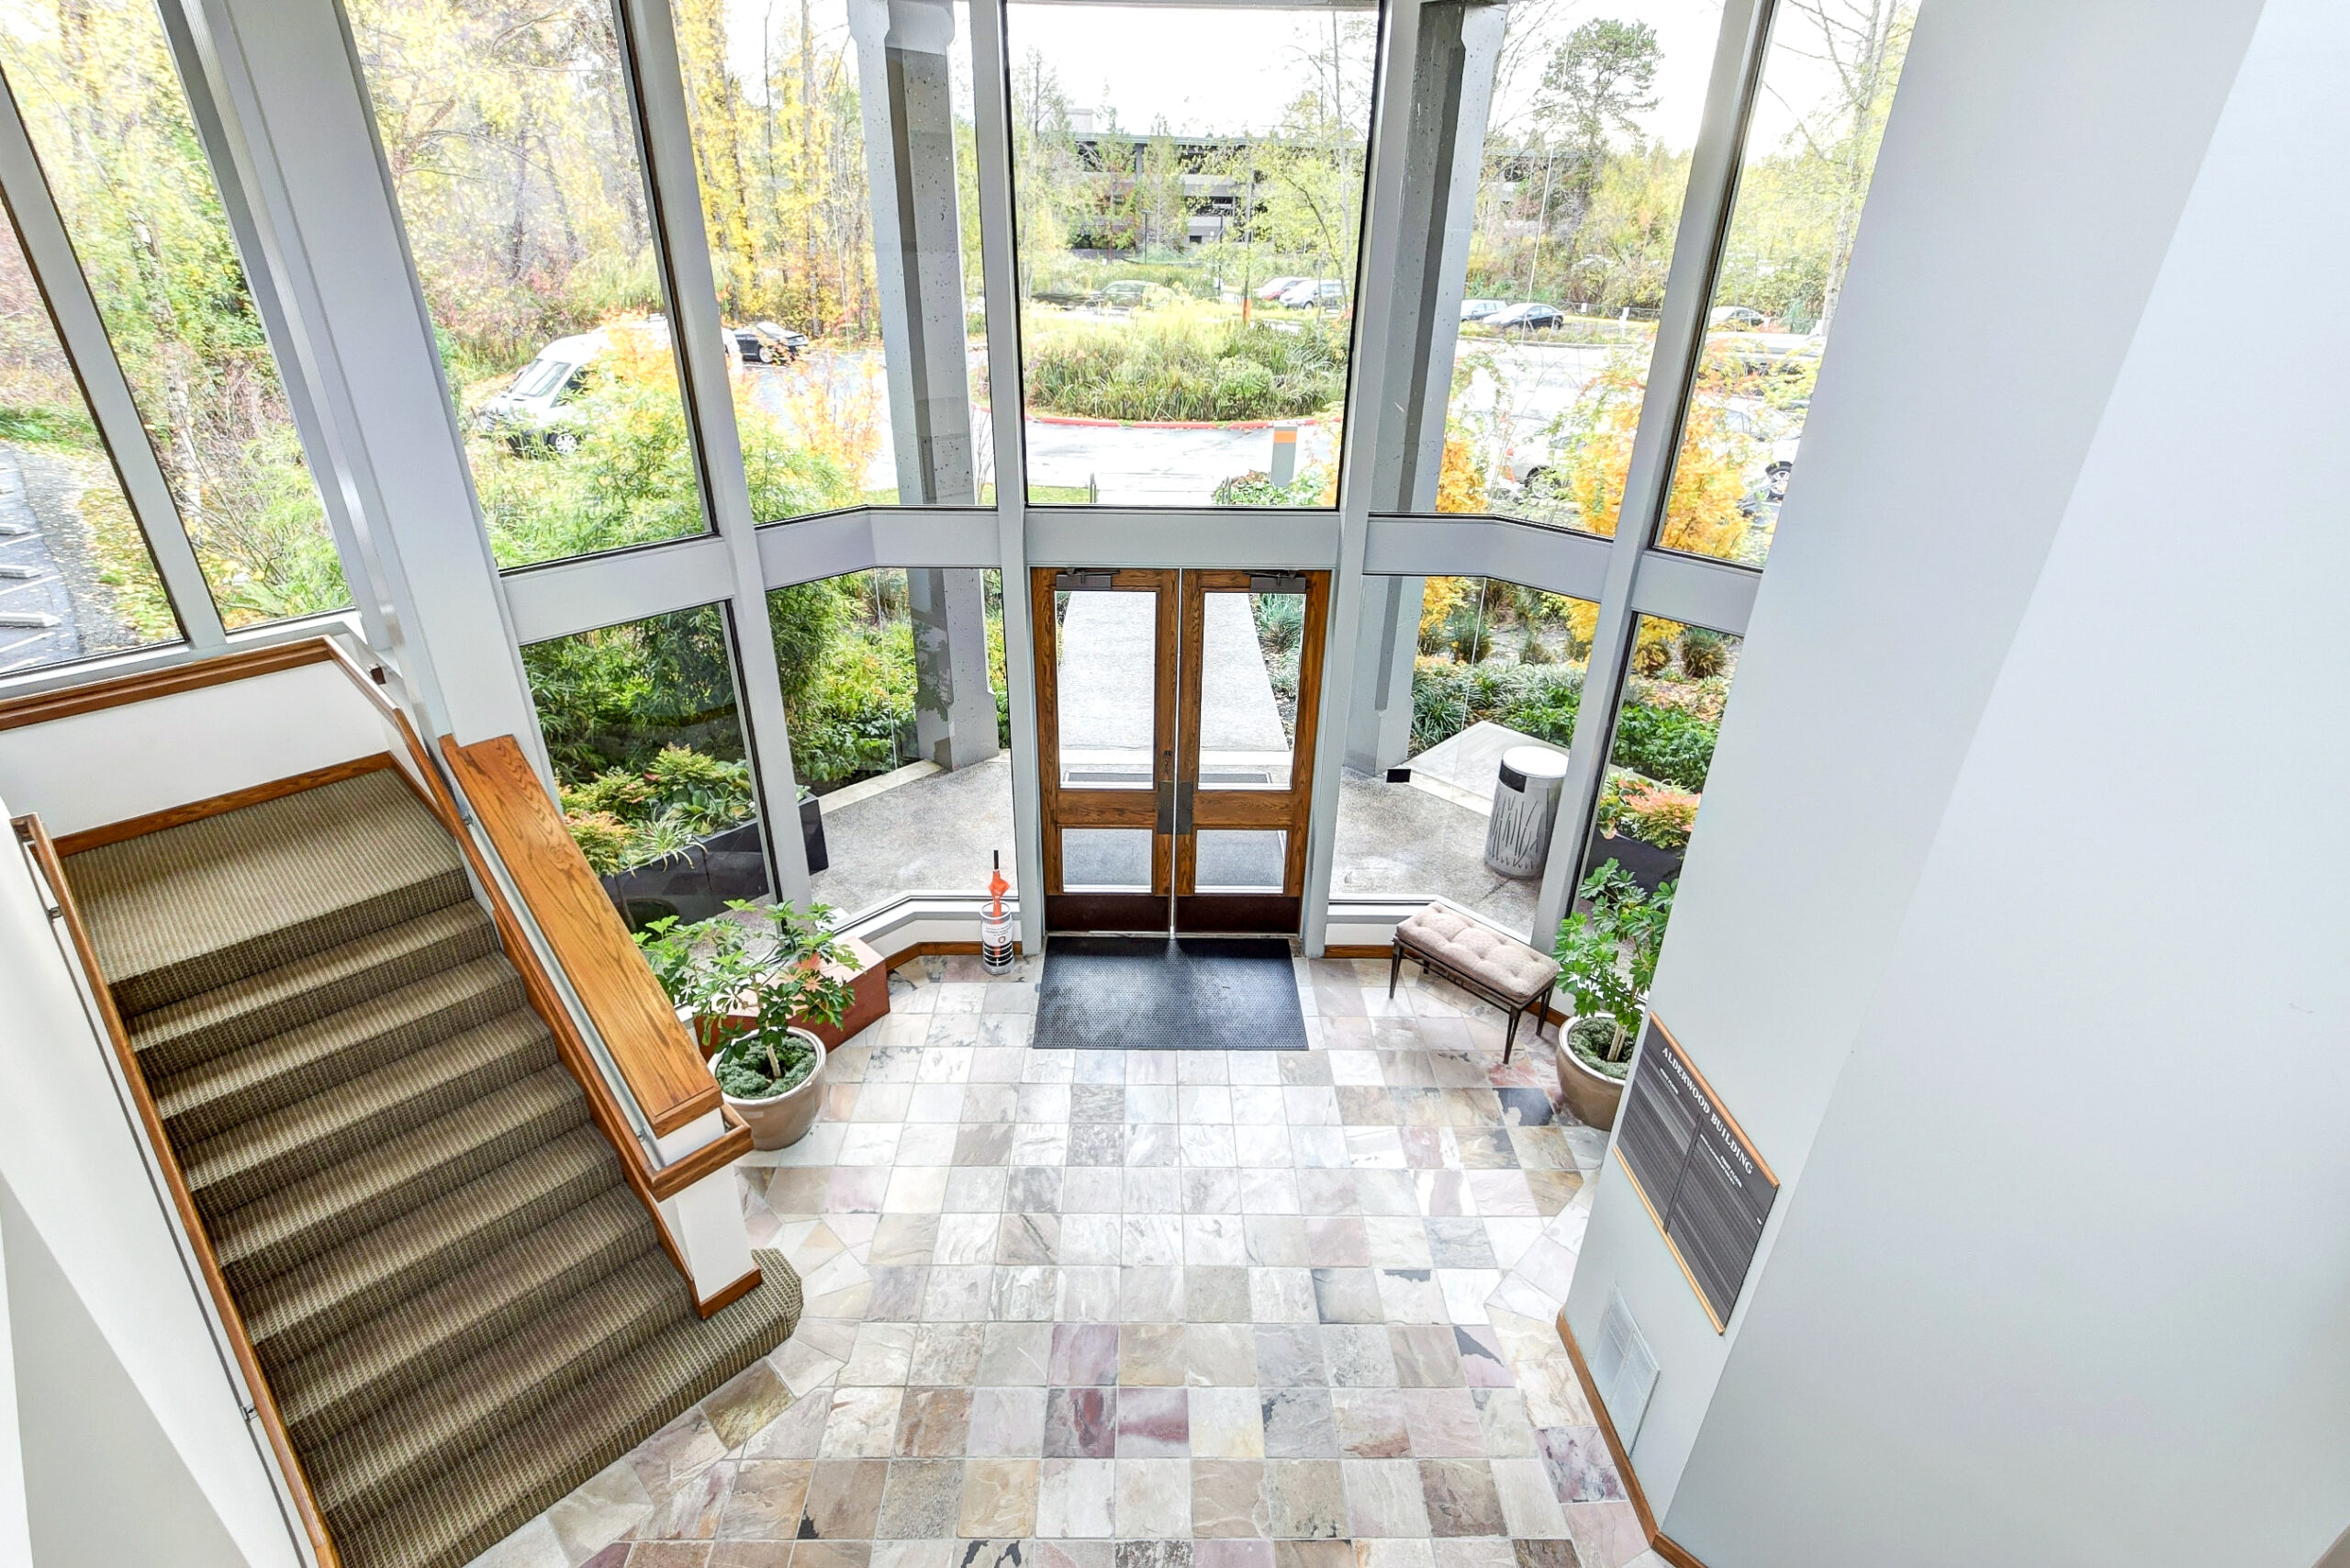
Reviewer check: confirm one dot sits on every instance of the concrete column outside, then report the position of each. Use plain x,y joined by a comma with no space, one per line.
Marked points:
1378,717
903,54
954,708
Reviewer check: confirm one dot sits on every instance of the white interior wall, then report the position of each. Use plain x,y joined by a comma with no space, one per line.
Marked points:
2067,1280
115,763
16,1540
2034,166
105,1485
80,1183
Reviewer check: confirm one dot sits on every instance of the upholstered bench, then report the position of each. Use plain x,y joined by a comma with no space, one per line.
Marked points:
1480,960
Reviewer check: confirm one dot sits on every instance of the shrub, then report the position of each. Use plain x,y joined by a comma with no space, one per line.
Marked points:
1255,488
1184,363
1665,743
1703,653
1652,812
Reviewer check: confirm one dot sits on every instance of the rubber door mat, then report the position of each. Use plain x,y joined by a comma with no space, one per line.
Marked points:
1146,993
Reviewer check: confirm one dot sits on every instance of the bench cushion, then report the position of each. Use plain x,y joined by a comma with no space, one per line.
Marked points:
1503,964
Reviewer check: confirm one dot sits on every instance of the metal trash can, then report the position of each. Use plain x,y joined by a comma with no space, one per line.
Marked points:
1526,807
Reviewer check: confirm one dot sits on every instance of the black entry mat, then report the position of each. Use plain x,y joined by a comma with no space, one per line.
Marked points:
1144,993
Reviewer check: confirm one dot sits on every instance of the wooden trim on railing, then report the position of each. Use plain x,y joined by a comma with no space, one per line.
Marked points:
656,1055
1663,1545
73,843
52,870
729,1295
40,706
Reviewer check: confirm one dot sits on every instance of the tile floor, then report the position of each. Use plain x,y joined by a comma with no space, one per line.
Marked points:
1180,1309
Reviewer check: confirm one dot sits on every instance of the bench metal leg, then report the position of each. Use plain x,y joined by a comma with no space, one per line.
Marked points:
1394,967
1510,1038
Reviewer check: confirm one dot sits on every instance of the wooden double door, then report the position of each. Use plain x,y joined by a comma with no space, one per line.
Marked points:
1176,717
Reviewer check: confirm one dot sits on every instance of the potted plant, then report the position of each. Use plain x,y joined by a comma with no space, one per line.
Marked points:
749,980
1607,958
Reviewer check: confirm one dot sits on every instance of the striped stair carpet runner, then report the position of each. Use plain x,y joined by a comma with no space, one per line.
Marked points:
462,1311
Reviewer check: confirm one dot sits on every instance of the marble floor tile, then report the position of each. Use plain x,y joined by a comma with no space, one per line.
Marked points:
1150,1309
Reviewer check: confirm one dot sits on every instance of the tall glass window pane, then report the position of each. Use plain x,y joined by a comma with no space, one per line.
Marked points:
513,152
854,323
1810,149
900,731
1578,203
644,727
1674,695
1189,198
76,575
1493,696
103,104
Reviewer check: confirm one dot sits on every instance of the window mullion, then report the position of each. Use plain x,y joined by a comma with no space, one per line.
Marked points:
1680,337
668,150
50,255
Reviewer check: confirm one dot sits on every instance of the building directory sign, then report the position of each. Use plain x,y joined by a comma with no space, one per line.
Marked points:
1708,1189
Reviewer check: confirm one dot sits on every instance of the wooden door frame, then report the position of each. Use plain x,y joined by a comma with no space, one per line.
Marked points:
1063,807
1287,812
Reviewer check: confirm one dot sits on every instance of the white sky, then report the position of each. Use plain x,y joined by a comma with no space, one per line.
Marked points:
1229,69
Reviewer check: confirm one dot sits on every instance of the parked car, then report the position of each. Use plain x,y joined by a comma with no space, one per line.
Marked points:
1273,289
1327,294
768,342
1736,318
1478,309
1527,318
533,411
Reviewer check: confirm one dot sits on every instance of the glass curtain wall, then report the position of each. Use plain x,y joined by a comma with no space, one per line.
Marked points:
893,684
1578,203
1189,189
77,577
513,151
1497,672
1811,146
645,728
103,104
859,329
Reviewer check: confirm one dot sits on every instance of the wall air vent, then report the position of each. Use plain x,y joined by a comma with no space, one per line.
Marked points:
1624,1368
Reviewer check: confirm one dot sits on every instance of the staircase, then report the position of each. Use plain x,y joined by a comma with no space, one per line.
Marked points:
462,1310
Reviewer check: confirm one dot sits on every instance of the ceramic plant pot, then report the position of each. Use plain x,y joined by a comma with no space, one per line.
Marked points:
1592,1097
781,1120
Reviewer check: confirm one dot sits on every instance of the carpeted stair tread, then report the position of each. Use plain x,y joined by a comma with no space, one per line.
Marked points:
480,1500
173,1040
254,1158
360,1472
338,1384
285,1069
332,1294
412,1181
210,902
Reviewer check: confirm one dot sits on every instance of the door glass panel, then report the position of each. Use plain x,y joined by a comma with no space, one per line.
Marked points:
1248,665
1247,860
1106,645
1105,859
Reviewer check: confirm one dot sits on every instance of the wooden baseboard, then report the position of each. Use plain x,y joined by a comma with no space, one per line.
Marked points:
1359,950
1663,1545
730,1295
940,950
219,805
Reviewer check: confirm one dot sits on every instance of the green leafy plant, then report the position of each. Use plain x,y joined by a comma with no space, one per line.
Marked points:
1650,811
1606,961
763,962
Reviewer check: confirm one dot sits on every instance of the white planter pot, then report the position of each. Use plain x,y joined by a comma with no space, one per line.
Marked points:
781,1120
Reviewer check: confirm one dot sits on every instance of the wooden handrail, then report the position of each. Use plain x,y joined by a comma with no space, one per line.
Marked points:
314,1524
655,1057
657,1061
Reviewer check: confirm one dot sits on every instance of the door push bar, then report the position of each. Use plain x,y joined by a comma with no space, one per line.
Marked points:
1175,800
